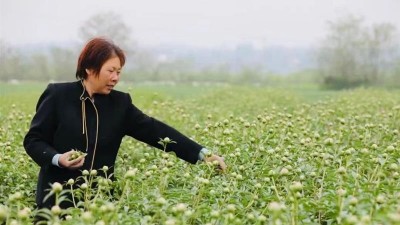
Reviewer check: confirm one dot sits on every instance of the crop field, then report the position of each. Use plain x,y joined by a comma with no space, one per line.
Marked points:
294,156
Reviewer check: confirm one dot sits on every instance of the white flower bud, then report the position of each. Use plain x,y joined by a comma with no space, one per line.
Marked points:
380,199
68,217
395,217
366,218
153,167
167,140
130,173
100,222
231,207
56,210
180,207
390,148
341,192
393,166
84,186
204,181
284,171
214,214
328,141
87,216
352,219
24,213
188,213
341,170
15,197
170,222
250,216
70,182
3,213
262,218
296,186
110,206
93,172
56,187
85,172
161,201
353,200
275,206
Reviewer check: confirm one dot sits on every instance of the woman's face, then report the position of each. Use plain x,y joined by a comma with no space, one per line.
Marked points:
107,78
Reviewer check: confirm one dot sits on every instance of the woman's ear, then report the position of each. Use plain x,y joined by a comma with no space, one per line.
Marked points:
87,71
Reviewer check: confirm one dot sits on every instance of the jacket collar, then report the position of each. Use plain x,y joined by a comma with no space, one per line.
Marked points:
85,95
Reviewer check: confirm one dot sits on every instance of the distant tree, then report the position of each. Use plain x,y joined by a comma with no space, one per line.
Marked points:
249,75
353,54
41,68
382,49
10,62
108,25
143,67
394,78
64,64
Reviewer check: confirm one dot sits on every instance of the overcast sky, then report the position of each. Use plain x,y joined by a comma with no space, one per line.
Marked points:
201,23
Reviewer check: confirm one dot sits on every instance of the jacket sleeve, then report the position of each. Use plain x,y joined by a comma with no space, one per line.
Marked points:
149,130
38,141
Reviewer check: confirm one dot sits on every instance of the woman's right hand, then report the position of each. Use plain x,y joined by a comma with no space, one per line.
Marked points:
70,164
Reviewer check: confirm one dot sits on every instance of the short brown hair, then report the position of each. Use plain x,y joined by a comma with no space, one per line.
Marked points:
95,53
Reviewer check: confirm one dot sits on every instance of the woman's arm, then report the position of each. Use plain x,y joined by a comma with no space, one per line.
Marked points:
149,130
38,141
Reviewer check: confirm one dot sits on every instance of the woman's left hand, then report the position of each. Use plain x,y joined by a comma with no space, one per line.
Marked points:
220,160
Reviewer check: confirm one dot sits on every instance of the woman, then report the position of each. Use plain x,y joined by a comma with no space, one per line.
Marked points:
90,116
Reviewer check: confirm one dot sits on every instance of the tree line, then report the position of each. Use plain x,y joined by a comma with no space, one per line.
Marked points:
352,54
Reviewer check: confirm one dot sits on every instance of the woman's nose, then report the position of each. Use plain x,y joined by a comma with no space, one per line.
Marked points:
115,76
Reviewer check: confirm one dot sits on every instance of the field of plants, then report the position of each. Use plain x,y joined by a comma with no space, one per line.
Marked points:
294,156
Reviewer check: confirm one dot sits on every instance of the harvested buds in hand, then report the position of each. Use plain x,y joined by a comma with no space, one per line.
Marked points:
76,154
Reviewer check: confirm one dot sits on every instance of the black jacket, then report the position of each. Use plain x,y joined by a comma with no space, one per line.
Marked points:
66,118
